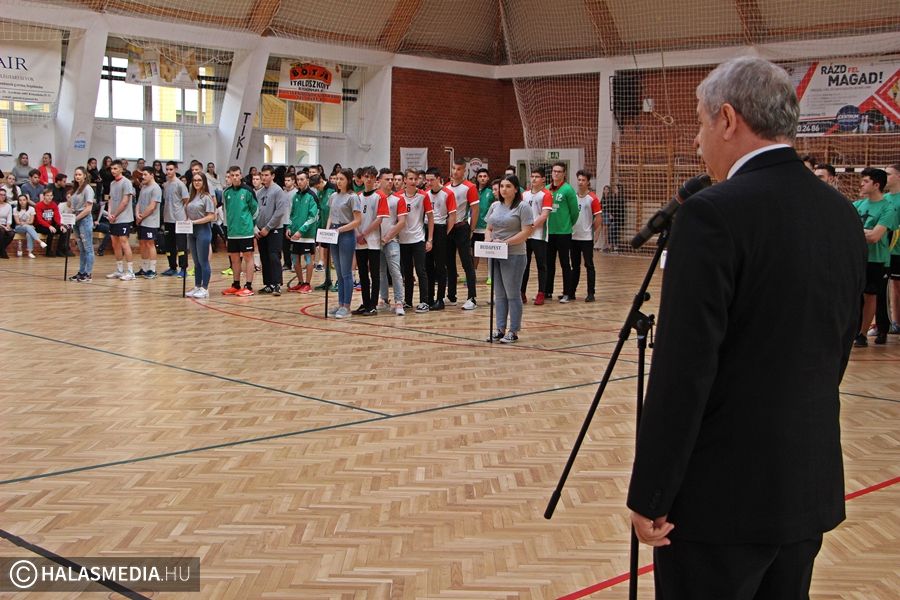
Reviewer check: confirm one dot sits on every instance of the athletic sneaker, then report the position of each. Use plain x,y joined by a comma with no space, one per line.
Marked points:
399,310
497,335
439,305
190,293
267,290
361,309
470,304
305,288
180,274
333,311
228,272
422,308
539,299
590,298
322,287
18,253
487,281
129,276
150,275
334,288
384,306
509,338
75,277
295,288
564,299
276,290
357,286
371,312
860,341
201,293
191,271
230,291
319,267
895,329
31,255
86,278
140,273
872,332
115,275
244,293
342,313
169,273
450,301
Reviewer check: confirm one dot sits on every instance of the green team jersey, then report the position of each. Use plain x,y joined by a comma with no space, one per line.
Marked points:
241,208
564,213
304,214
322,198
873,214
485,199
894,242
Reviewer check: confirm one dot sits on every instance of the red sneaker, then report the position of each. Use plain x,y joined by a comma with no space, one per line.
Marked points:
539,299
230,291
244,293
296,288
305,289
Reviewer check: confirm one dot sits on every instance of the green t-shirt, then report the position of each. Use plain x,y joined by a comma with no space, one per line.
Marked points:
894,242
485,198
564,213
241,208
873,214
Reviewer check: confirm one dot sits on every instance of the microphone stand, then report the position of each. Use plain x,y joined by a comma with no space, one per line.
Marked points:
643,325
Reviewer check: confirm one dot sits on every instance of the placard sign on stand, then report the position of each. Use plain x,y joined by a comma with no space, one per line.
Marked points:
327,236
496,251
184,227
67,219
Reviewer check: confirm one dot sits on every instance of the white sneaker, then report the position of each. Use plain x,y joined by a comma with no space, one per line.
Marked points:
201,293
116,275
129,276
342,313
399,310
190,293
872,331
422,308
42,243
470,304
19,253
31,255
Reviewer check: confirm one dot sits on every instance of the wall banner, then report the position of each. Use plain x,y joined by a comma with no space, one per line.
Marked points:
30,71
315,82
173,68
413,158
857,95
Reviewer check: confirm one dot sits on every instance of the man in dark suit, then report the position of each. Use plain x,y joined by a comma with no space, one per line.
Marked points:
738,467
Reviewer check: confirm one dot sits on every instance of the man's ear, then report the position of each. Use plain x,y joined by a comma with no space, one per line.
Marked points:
730,117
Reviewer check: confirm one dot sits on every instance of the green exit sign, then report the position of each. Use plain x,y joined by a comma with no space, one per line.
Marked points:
553,155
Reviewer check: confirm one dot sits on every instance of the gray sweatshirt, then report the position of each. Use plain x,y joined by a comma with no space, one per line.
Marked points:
274,207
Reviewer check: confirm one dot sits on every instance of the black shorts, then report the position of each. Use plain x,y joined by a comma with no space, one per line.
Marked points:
894,270
477,237
875,275
240,244
120,229
300,248
147,233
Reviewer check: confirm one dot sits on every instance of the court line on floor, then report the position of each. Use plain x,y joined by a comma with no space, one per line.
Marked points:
275,436
623,577
871,397
62,561
193,371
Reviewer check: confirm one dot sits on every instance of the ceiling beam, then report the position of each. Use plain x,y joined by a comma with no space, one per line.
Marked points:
397,24
262,15
751,20
611,43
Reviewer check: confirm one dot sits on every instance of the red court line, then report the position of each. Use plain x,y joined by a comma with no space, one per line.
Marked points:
648,568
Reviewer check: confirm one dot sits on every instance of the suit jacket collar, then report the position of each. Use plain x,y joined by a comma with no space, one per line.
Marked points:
768,159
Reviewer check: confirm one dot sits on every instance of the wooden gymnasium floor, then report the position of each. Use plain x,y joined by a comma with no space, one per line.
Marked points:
372,458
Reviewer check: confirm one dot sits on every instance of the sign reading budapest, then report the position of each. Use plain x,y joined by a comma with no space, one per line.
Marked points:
860,95
317,82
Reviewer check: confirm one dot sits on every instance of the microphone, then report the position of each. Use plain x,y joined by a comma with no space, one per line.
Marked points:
663,216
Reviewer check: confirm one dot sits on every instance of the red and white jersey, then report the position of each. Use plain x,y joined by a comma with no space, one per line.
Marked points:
396,206
374,206
417,206
466,195
588,208
539,202
443,202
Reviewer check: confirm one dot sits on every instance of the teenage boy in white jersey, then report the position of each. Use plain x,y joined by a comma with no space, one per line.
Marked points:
121,219
443,204
368,242
175,196
459,240
391,226
541,202
412,241
588,223
147,220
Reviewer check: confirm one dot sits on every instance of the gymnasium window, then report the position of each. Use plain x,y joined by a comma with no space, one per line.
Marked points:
5,137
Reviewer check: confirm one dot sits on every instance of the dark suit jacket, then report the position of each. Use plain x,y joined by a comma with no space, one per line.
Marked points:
740,436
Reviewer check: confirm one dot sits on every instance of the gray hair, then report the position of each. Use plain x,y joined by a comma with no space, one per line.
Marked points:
759,91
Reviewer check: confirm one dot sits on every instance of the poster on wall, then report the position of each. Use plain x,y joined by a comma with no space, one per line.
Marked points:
30,71
472,166
413,158
170,68
315,82
851,96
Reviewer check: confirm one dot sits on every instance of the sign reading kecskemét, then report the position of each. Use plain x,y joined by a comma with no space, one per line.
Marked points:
29,70
851,96
315,82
